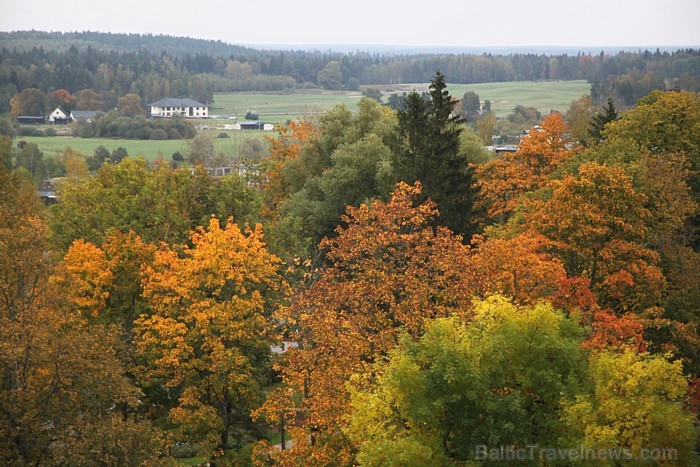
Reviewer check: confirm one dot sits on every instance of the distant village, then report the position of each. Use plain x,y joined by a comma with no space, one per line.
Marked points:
164,108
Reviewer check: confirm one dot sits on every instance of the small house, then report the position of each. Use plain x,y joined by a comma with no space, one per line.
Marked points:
59,117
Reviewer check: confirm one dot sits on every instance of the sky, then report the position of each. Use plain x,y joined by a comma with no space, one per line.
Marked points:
627,23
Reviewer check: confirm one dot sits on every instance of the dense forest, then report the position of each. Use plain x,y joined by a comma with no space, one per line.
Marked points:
429,302
154,67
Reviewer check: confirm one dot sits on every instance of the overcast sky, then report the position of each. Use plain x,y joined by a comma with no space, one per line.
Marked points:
645,23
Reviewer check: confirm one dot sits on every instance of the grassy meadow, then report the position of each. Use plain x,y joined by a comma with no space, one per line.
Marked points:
149,150
543,95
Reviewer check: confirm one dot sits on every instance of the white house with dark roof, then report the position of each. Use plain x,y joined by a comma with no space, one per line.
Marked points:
59,116
189,108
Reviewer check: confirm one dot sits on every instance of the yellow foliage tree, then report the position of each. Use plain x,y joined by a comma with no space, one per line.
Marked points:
207,337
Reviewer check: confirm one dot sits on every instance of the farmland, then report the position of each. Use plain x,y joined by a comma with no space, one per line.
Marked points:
543,95
146,148
279,108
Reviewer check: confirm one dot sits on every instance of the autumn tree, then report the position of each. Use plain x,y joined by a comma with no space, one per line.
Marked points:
104,282
596,223
57,370
207,334
634,396
63,99
389,271
505,179
87,99
664,123
285,148
523,269
130,105
30,101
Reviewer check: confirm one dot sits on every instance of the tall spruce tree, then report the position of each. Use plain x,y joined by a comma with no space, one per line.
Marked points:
426,149
599,120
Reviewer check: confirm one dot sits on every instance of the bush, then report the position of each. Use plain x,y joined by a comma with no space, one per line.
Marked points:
30,131
251,115
158,134
223,135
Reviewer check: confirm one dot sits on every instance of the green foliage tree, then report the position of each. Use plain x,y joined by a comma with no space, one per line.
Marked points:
601,119
471,106
499,379
158,203
347,164
579,117
426,149
330,77
373,93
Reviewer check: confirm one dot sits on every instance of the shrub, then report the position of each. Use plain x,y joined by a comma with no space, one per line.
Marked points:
158,134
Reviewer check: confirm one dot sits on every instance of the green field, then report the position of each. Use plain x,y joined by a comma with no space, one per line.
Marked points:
281,107
543,95
55,145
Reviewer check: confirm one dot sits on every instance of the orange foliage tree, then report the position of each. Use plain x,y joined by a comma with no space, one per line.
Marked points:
596,223
503,180
521,268
56,369
208,334
389,272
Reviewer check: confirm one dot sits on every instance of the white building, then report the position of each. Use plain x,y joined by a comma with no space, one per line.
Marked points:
58,116
166,108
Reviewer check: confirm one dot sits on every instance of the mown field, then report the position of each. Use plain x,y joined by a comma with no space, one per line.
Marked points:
54,145
544,96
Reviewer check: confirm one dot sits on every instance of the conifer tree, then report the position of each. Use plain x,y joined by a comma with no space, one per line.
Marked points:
427,150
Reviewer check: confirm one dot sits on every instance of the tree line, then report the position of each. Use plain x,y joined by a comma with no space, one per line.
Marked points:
155,67
434,297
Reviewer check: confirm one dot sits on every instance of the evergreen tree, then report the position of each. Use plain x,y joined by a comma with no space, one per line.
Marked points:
427,150
599,120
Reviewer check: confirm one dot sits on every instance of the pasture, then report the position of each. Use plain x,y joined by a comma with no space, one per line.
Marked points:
283,106
542,95
149,150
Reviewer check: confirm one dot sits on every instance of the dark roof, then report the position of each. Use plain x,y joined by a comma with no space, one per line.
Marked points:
254,124
173,102
84,113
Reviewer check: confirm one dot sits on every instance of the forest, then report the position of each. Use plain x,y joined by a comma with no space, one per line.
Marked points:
383,291
154,67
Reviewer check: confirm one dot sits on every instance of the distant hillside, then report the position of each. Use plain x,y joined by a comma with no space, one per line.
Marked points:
23,41
156,66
